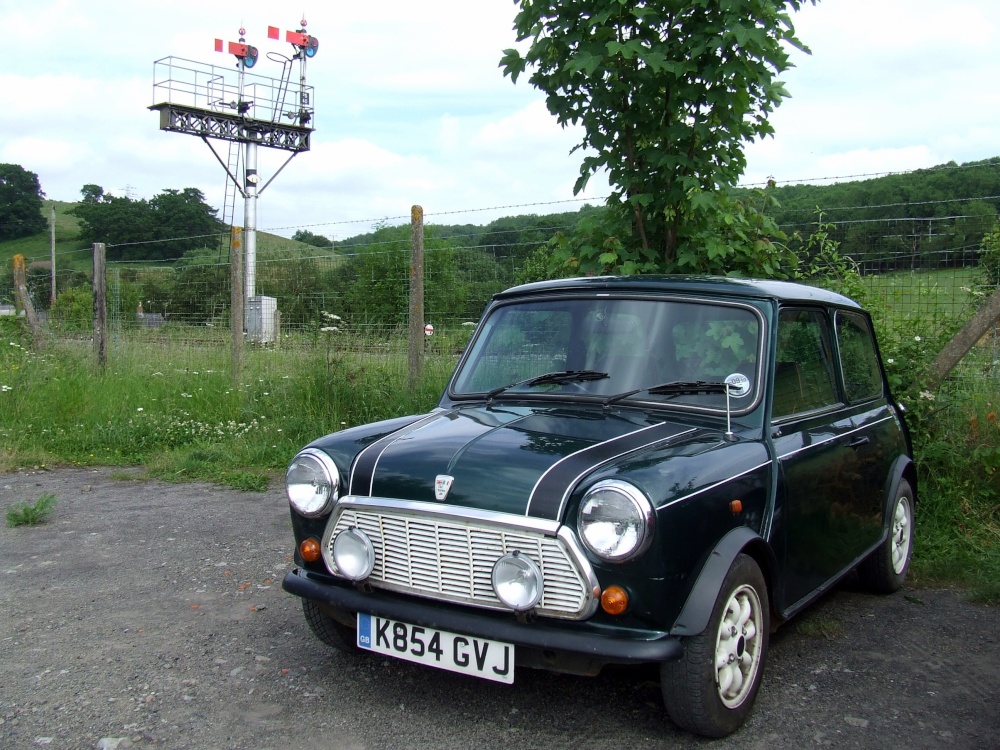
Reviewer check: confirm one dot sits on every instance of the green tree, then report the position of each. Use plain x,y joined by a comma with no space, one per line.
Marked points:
989,259
316,240
183,222
668,93
164,228
20,203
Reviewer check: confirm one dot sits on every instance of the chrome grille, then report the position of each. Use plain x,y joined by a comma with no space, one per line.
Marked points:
445,556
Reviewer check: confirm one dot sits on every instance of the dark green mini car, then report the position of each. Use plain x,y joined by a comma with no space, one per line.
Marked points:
621,471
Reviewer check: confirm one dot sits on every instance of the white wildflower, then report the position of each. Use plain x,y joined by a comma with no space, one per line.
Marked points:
927,395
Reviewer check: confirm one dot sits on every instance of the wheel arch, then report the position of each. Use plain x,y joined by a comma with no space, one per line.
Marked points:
697,609
902,469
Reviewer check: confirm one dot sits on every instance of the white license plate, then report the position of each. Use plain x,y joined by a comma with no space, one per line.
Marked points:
479,657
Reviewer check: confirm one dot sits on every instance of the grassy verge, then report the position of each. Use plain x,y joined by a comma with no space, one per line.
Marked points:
958,517
176,411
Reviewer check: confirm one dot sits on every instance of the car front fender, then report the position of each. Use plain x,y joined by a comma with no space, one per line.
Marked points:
697,609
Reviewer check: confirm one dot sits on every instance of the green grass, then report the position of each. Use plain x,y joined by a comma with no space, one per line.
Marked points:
174,409
25,514
817,627
71,254
921,299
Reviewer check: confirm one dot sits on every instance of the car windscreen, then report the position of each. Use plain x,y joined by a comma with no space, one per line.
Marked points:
615,346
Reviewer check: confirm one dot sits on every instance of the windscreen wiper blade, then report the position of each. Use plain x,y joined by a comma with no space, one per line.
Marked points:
687,387
673,388
550,378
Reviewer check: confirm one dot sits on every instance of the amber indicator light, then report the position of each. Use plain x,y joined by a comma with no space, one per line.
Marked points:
309,549
736,506
614,600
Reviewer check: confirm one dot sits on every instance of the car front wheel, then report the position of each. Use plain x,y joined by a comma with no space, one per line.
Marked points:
710,690
328,630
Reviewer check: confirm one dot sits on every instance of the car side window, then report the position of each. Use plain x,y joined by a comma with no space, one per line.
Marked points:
804,375
858,358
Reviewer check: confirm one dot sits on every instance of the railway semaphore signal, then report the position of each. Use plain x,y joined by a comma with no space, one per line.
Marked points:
248,110
247,54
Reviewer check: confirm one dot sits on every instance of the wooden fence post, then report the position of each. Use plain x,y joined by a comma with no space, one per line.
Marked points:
23,300
416,295
100,306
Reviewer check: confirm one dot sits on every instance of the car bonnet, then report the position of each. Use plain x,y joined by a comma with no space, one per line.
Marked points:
518,460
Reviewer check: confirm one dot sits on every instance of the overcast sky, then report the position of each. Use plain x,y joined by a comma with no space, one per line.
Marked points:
412,108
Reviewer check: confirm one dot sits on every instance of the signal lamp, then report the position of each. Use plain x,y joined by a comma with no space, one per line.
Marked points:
310,549
614,600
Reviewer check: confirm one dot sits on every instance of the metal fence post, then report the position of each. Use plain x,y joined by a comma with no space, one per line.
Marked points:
100,306
236,301
416,295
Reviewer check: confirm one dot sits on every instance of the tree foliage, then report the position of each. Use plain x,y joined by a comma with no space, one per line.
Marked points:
316,240
163,228
668,93
918,219
20,203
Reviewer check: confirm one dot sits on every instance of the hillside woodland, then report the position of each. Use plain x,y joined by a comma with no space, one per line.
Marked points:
932,218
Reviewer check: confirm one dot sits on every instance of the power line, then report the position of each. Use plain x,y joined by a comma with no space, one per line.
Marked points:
438,213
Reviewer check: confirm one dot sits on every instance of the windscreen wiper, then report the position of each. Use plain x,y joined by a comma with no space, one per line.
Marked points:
735,384
549,378
687,387
673,388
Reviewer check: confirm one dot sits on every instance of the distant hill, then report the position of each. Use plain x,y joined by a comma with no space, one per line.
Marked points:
944,209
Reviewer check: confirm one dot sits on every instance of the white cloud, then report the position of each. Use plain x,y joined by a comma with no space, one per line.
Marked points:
413,108
890,86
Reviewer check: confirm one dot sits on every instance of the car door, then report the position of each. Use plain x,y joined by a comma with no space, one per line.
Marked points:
822,512
877,437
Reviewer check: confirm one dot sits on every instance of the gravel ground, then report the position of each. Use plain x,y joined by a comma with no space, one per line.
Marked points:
147,614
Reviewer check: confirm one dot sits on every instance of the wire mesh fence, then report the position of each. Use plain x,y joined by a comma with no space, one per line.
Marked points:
353,302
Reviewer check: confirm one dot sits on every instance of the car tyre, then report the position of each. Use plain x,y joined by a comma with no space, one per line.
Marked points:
328,630
884,570
711,689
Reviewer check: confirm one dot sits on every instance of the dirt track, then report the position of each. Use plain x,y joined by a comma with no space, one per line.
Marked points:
151,615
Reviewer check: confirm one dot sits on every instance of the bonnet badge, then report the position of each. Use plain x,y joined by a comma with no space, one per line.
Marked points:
442,486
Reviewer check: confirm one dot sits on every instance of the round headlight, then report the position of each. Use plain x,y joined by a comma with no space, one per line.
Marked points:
615,520
311,483
354,554
517,582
